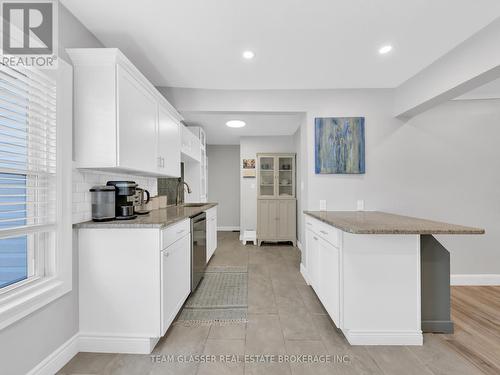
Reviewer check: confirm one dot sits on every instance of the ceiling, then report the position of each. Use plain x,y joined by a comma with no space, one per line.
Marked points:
490,90
258,124
299,44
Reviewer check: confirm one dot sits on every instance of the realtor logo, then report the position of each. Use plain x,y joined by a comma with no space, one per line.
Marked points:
29,33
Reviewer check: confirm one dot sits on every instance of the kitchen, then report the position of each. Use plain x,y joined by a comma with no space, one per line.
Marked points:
218,212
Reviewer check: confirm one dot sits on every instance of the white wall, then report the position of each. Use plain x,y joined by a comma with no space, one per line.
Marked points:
249,147
440,165
223,183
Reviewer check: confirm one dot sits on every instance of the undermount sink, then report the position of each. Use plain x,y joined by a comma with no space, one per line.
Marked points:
194,204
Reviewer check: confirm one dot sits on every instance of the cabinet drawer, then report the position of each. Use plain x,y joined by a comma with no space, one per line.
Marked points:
174,232
325,231
329,234
211,212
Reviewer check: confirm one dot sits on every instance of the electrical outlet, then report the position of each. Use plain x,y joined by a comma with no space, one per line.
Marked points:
361,205
322,205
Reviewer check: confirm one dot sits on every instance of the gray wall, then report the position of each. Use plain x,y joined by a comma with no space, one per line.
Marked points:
27,342
223,183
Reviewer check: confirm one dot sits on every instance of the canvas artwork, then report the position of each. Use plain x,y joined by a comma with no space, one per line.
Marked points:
340,145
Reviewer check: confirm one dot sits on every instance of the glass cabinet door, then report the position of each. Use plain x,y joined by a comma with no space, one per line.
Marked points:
266,177
286,177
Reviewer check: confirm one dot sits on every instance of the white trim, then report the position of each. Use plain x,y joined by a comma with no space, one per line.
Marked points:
57,359
475,279
414,338
303,272
116,344
57,281
228,229
299,245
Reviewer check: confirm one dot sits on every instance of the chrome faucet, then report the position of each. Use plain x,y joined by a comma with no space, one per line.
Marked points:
180,187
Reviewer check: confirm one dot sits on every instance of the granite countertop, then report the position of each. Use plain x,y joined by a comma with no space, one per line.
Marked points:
161,218
375,222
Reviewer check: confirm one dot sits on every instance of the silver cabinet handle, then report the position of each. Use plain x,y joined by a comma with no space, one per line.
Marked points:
309,223
315,238
166,254
322,231
179,232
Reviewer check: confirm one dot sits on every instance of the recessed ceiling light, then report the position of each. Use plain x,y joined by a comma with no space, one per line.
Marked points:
385,49
248,55
236,124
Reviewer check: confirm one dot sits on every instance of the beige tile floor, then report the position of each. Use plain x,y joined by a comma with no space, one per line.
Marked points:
285,318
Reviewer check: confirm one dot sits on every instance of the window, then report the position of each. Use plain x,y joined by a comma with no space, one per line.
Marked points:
35,188
27,174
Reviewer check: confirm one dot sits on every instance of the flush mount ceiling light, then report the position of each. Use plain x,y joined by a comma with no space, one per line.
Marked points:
248,55
236,124
385,49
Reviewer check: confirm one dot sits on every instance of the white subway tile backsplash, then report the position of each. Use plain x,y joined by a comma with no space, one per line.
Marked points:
83,180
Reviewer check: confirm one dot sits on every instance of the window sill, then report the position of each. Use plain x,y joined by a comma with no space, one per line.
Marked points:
22,301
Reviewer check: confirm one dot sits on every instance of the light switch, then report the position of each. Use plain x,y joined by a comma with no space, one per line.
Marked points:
361,205
252,186
322,205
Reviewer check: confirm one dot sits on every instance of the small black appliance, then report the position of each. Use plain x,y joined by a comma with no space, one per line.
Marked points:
124,199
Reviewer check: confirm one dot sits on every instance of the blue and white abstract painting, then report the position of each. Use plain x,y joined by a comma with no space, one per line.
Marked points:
340,145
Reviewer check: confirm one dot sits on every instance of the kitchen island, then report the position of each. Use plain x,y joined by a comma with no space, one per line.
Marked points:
383,278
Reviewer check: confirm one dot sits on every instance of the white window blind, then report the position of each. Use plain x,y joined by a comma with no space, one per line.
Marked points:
27,169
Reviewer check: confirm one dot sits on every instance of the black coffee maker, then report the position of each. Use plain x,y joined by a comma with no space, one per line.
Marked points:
124,199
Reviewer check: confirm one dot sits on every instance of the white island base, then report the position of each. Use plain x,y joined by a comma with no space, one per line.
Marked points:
369,284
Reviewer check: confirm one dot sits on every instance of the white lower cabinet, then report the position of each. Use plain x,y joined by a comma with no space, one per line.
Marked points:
211,232
323,266
132,284
329,279
312,259
175,279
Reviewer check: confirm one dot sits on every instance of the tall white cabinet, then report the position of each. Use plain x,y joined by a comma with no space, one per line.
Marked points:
276,201
195,163
122,123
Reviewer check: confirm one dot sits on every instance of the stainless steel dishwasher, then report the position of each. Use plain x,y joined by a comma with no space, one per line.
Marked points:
198,249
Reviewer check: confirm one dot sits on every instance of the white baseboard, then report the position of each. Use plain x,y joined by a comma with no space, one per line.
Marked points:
90,343
228,229
475,279
384,338
58,358
299,245
116,344
303,272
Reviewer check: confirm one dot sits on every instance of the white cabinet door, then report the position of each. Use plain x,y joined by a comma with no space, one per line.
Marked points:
169,144
175,279
329,279
137,117
312,259
211,232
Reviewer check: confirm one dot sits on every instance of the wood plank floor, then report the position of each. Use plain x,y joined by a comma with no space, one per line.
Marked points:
286,318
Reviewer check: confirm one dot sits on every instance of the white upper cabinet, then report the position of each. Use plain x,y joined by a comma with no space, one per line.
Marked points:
169,144
191,146
137,113
122,123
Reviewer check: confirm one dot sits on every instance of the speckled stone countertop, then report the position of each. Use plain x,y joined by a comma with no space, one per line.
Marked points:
155,219
375,222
